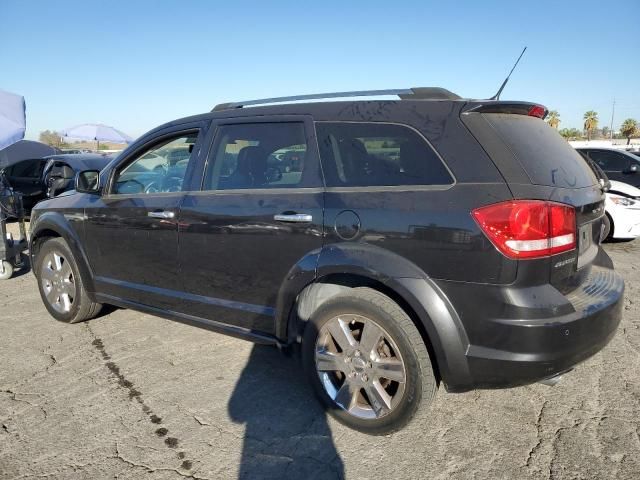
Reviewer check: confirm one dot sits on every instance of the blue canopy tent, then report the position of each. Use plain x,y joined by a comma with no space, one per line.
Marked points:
13,118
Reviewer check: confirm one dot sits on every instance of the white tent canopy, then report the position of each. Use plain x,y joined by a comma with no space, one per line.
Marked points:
96,132
13,118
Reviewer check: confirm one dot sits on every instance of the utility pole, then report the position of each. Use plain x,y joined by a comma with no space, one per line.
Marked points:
613,111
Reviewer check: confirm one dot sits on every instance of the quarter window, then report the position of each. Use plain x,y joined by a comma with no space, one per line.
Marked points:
159,169
377,154
258,155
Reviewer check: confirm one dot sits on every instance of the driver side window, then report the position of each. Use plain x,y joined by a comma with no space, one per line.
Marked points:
159,169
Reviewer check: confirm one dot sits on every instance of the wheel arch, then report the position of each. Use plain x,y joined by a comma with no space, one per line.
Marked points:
55,225
345,266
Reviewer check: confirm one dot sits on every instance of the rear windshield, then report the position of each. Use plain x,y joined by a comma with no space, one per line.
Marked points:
544,155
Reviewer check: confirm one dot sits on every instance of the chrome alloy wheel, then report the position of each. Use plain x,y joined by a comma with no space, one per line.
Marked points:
58,282
360,366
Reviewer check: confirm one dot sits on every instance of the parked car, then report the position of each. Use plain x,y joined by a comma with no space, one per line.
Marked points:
617,164
60,170
25,177
622,207
470,256
71,151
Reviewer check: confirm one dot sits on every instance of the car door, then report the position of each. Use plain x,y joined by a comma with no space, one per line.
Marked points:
257,215
131,229
615,165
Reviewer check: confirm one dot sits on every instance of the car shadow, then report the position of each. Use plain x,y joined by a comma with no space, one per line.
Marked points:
286,430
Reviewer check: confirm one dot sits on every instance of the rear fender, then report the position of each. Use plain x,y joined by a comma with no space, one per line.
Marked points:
403,280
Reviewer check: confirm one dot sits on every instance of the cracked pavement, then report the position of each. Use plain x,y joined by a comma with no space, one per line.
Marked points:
130,395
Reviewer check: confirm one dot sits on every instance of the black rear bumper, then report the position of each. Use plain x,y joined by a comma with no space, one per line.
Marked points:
553,334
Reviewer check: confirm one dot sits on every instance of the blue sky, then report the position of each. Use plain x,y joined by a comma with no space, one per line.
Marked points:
137,64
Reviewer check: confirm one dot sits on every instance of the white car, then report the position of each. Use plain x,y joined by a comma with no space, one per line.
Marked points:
622,206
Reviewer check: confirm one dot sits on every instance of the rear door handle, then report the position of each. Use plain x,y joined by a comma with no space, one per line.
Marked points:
162,214
293,217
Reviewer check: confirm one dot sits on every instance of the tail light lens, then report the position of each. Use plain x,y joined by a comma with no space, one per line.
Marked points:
537,111
528,228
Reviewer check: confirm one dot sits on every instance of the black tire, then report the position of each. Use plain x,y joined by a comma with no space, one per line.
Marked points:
82,308
420,381
607,232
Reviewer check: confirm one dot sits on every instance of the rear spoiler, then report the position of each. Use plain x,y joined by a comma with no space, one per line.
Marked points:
514,108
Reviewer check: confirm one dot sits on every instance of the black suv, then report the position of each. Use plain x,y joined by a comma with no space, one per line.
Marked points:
415,241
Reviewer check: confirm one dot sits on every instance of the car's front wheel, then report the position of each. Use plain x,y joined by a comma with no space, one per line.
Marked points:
60,284
368,362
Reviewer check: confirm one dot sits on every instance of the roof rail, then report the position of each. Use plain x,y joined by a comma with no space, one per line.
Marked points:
420,93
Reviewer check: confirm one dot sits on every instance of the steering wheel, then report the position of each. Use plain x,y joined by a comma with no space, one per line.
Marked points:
153,187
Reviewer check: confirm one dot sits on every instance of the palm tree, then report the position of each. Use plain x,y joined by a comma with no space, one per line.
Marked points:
590,122
629,129
553,119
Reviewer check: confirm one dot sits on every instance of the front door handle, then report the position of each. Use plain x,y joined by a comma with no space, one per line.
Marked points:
293,217
165,214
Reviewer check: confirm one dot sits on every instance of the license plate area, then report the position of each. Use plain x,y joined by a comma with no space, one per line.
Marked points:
585,238
587,248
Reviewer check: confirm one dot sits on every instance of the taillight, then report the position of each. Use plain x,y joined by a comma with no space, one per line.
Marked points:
537,111
528,228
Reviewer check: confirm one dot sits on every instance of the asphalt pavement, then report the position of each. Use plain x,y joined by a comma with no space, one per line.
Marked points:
130,396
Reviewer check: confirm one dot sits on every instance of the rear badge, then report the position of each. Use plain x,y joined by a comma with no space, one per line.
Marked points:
564,262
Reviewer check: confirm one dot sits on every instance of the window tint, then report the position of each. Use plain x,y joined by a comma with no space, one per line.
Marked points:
159,169
376,154
258,155
610,161
27,169
544,155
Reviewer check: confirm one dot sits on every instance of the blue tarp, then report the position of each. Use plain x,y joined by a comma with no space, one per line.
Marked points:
12,118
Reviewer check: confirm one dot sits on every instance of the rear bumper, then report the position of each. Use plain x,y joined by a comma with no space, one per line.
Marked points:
553,334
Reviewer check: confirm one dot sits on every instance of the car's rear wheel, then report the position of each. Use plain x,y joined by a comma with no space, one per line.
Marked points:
367,362
60,284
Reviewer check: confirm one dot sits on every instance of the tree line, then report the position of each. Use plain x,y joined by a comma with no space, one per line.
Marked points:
628,129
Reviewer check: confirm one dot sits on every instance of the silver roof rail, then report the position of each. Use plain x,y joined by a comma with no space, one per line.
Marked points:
434,93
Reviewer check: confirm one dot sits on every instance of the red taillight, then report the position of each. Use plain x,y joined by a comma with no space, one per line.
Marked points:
537,111
528,228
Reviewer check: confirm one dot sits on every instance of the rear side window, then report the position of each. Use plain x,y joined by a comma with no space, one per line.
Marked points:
377,154
27,169
610,161
544,155
258,155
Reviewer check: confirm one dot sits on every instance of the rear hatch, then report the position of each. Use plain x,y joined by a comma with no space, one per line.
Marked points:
538,164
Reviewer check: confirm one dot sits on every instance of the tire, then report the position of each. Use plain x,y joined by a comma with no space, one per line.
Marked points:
332,369
6,271
607,233
60,284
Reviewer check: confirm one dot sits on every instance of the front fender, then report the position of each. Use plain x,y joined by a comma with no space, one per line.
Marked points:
67,226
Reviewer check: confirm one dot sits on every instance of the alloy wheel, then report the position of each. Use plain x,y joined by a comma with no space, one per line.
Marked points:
58,282
360,366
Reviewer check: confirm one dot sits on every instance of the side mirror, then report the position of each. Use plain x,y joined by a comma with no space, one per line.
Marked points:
633,168
87,181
